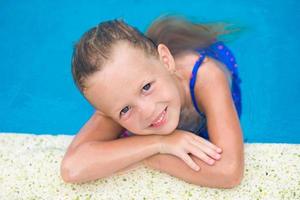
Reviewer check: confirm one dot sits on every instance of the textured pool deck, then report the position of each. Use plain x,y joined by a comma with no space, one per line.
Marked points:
29,166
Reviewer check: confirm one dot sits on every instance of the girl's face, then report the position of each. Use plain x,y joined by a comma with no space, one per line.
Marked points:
136,91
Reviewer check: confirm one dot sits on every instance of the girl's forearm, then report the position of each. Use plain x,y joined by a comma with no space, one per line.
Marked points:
215,176
226,172
208,176
96,160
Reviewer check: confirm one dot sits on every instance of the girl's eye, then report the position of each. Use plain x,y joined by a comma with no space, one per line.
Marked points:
147,86
124,110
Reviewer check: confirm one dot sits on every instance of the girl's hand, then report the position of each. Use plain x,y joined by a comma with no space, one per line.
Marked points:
180,143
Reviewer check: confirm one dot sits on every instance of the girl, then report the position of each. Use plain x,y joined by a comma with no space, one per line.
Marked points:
175,93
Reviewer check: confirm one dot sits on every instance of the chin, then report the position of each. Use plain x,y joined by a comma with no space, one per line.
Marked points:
170,127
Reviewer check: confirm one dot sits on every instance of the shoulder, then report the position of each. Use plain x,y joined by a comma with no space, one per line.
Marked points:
212,82
212,70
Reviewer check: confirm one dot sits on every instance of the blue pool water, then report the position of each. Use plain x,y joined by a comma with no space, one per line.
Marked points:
37,94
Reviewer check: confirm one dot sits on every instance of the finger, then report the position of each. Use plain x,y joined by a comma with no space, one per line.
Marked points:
206,150
201,154
188,160
204,141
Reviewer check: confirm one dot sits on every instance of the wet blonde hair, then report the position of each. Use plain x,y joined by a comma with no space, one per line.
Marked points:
180,34
94,48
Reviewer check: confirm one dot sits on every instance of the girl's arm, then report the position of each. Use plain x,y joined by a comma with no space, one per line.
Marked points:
214,97
96,152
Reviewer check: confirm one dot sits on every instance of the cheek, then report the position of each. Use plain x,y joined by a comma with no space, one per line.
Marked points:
170,92
130,124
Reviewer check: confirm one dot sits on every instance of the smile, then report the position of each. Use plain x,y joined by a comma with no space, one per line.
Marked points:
160,120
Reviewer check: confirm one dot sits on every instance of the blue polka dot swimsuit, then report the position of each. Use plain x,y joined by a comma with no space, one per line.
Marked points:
221,53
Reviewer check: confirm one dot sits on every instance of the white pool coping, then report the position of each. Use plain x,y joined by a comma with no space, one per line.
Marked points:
30,164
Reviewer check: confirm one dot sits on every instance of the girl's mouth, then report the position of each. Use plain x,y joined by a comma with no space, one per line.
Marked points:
160,120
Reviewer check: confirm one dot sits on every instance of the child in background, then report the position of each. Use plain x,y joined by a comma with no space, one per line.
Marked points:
175,93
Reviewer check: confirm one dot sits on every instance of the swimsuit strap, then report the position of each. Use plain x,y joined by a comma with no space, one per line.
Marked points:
220,52
193,81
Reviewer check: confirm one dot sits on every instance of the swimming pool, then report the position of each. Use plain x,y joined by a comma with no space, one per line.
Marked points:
37,94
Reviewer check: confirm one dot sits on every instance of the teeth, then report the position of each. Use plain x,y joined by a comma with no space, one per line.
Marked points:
161,117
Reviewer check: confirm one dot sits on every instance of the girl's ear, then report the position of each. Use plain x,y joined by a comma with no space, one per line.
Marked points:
166,58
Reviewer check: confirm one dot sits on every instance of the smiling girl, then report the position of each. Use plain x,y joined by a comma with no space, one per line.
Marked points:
169,100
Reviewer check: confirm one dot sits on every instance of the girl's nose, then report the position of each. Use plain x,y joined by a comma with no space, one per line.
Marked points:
147,109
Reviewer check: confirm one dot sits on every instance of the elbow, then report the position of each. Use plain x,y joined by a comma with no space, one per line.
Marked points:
70,169
66,177
66,173
234,176
234,180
